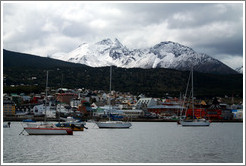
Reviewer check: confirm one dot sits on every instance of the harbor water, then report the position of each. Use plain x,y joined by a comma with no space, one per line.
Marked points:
144,142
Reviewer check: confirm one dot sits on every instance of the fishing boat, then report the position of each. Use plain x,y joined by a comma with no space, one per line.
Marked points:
195,122
45,128
113,124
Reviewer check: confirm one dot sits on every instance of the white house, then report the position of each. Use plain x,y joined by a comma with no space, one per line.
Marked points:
145,102
39,110
75,102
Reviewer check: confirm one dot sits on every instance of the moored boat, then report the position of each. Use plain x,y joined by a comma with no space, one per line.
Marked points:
72,123
109,123
114,124
195,122
29,120
48,131
45,128
72,126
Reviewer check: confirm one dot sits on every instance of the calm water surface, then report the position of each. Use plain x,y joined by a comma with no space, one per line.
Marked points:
144,142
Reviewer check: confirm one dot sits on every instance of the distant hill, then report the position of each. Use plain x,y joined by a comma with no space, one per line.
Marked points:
16,59
20,69
239,69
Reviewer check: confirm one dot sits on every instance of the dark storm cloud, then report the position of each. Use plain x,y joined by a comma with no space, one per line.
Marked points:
47,27
233,47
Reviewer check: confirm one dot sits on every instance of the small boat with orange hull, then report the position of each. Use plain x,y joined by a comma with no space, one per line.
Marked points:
74,127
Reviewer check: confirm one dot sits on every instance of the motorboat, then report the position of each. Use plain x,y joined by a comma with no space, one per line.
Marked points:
74,127
74,124
72,120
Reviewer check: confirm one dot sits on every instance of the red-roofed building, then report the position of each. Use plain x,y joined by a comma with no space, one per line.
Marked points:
66,97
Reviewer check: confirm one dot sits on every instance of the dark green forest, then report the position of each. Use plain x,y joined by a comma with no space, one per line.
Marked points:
19,69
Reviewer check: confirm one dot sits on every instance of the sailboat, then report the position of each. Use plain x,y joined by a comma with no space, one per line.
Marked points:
109,123
193,121
45,128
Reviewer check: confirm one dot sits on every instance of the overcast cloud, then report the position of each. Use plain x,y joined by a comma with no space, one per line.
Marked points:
43,28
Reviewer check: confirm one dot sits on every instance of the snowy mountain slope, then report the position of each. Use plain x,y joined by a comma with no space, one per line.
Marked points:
163,55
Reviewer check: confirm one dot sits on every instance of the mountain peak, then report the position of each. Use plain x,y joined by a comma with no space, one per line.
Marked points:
166,54
105,42
117,43
82,44
169,45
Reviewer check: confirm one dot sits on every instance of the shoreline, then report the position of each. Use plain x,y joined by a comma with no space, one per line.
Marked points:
20,119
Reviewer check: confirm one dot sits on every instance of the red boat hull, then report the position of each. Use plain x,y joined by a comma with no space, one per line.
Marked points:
48,131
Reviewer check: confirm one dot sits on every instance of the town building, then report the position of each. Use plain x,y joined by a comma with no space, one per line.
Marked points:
166,110
8,108
144,103
238,114
66,97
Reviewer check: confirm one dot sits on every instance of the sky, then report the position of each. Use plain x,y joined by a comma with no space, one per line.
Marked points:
44,28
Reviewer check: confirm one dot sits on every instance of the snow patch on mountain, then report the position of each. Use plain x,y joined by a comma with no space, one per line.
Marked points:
166,54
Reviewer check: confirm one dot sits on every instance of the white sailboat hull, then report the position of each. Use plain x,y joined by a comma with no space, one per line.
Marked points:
48,131
114,124
195,123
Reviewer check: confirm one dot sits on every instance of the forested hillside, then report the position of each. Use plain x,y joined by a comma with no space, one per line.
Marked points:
24,69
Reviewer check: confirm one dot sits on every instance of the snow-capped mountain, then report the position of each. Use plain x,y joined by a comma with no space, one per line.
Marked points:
163,55
239,69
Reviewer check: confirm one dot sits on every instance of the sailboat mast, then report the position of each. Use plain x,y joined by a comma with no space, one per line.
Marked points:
47,76
110,79
192,90
110,84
